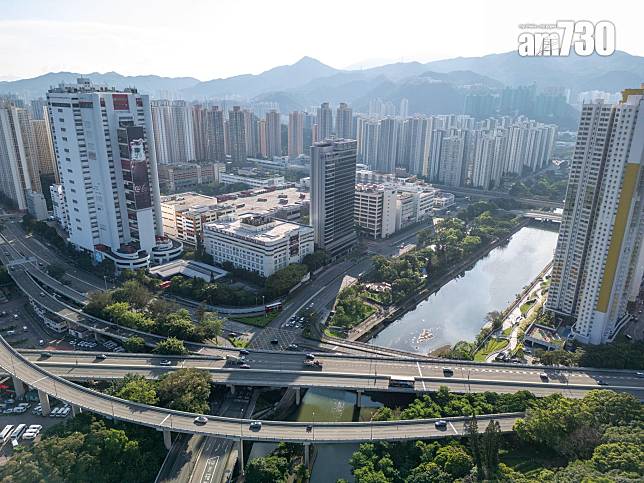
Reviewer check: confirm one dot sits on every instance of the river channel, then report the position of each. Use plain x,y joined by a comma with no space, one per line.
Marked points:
457,311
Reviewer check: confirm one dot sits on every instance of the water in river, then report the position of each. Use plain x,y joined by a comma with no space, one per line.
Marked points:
331,460
457,311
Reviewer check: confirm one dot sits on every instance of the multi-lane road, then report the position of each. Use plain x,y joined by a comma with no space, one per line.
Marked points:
358,373
274,431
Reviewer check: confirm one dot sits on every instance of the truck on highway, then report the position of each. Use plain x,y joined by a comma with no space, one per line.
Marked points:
313,364
402,381
234,360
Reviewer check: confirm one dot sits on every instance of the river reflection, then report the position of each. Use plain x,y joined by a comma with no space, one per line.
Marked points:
457,311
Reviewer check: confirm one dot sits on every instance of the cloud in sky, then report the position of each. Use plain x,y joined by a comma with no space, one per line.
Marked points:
220,38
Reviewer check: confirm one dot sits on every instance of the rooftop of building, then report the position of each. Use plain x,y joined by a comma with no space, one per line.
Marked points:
543,334
255,226
263,201
190,269
84,84
189,201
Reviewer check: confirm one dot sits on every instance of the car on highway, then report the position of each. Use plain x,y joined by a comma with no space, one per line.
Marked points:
440,424
275,341
244,366
309,428
165,362
200,420
101,357
448,371
310,356
292,347
255,426
244,352
544,377
45,355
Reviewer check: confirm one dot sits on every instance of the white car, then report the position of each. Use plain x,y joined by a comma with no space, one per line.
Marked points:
30,434
34,427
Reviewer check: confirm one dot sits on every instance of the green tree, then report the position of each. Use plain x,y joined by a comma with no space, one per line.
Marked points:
159,309
185,390
170,346
97,302
454,460
133,293
428,473
471,430
285,279
316,260
134,344
135,388
211,326
267,469
626,457
490,445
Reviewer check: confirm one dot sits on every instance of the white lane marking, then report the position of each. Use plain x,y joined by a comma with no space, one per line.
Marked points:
167,416
420,373
38,380
452,426
209,470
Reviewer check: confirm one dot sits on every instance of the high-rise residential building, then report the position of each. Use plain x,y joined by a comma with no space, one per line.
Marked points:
324,121
295,134
38,109
173,131
403,110
344,121
215,134
273,134
333,176
599,259
251,129
368,146
103,141
44,148
199,116
387,145
237,135
452,160
19,173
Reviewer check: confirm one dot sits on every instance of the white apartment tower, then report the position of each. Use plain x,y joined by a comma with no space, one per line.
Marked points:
173,132
324,121
295,134
19,173
344,121
103,142
273,134
599,259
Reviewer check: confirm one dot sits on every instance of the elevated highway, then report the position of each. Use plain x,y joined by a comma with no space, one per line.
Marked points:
355,373
166,420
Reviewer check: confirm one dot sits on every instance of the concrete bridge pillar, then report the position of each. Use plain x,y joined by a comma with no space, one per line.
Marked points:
298,395
76,410
240,457
19,387
167,439
359,399
232,389
307,454
44,402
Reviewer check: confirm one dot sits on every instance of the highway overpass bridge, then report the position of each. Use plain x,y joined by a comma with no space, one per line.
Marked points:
26,373
355,373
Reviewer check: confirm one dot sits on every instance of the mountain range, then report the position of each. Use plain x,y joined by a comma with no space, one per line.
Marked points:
432,87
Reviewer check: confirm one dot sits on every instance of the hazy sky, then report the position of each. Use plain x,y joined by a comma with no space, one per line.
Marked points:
220,38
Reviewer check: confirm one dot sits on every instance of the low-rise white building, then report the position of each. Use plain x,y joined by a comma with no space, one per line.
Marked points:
253,180
380,210
375,210
185,214
257,243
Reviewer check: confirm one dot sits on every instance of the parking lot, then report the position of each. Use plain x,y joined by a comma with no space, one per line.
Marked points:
28,418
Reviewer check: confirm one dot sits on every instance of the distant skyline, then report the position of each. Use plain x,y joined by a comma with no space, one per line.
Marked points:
209,40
